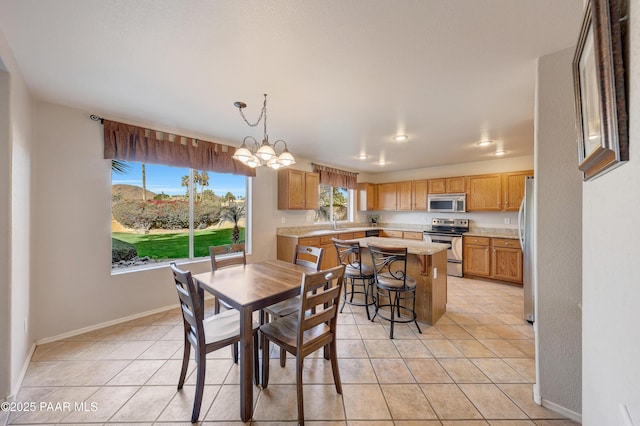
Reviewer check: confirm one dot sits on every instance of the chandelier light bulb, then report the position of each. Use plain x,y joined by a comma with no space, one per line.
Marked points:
286,159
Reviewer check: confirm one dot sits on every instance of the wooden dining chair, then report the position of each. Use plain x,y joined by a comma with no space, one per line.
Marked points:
310,257
205,334
222,257
313,328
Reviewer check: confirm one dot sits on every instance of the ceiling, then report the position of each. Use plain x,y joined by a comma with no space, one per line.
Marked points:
342,76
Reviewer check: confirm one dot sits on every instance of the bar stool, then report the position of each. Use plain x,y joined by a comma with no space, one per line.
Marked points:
392,282
357,274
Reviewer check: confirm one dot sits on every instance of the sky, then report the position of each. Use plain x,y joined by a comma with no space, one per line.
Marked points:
168,180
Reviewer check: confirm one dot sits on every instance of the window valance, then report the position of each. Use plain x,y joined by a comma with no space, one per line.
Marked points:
131,143
336,177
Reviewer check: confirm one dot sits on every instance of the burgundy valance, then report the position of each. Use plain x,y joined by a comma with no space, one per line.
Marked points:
131,143
336,177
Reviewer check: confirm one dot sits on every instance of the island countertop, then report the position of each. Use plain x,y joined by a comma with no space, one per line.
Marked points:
413,247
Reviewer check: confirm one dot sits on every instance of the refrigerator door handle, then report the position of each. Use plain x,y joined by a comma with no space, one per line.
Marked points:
521,223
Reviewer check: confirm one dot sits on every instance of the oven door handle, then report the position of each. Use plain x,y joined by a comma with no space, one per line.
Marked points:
456,247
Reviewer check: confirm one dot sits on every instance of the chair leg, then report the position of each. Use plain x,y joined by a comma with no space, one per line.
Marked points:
392,302
299,392
185,362
283,358
365,284
201,361
334,367
414,314
265,362
234,352
256,361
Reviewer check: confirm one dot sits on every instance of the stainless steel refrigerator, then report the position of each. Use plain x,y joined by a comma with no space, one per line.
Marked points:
527,240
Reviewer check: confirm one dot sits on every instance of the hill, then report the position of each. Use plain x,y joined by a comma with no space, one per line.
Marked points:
130,192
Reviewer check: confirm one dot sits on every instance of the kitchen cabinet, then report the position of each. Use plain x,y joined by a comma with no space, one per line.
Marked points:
387,196
286,246
395,196
367,196
390,234
506,262
297,190
413,235
496,258
450,185
403,191
419,192
485,193
477,256
513,189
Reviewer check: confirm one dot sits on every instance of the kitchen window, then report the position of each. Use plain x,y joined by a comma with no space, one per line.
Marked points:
333,203
163,213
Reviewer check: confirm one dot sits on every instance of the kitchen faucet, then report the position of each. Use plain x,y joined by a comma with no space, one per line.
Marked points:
335,224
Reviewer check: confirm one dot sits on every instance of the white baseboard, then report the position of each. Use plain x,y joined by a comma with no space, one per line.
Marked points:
576,417
102,325
537,398
23,373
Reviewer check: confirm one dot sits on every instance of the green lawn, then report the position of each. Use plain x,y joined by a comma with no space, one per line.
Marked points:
176,245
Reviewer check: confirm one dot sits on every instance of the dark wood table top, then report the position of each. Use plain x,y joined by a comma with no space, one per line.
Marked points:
256,284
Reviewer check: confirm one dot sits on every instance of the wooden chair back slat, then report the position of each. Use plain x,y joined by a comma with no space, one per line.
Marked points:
319,288
308,256
192,309
227,255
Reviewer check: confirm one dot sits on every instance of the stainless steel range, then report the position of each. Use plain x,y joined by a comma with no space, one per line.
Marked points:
449,231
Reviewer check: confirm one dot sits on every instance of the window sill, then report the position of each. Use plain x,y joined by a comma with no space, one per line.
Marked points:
157,265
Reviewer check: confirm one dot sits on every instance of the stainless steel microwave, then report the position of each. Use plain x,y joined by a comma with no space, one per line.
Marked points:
447,203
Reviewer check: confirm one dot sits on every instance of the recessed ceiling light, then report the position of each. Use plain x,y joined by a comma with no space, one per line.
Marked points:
362,156
500,153
484,143
381,163
400,138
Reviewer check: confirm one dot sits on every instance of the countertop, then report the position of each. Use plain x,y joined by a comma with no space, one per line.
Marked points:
413,246
301,233
493,233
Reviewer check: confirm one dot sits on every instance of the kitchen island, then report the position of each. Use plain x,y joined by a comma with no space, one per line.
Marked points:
427,264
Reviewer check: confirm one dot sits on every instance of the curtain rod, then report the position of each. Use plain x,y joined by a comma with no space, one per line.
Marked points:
97,118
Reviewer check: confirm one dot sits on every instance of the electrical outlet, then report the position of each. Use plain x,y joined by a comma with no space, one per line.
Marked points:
435,273
507,221
25,325
282,219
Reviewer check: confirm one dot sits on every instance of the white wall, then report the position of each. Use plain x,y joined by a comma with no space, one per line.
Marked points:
73,285
558,240
16,220
611,283
5,227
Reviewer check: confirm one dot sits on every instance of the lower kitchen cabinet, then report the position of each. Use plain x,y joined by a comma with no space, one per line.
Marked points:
286,246
496,258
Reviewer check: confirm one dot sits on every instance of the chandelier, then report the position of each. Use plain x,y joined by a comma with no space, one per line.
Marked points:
256,154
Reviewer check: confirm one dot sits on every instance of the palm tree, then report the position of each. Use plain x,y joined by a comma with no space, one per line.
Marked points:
233,213
120,166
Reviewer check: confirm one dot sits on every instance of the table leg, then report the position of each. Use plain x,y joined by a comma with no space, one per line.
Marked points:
246,365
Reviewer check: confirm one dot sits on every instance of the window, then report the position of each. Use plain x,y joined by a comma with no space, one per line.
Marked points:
162,213
333,204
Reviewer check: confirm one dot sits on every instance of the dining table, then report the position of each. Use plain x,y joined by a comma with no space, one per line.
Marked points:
249,288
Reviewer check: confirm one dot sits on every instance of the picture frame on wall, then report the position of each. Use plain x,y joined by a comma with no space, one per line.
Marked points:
598,76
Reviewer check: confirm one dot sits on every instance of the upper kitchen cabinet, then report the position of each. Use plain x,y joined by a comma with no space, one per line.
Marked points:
297,190
387,196
404,195
419,192
513,189
485,193
367,196
447,185
394,196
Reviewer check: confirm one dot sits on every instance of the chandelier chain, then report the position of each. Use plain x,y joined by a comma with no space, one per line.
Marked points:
263,113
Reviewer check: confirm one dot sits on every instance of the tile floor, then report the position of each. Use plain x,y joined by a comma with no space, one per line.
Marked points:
474,367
